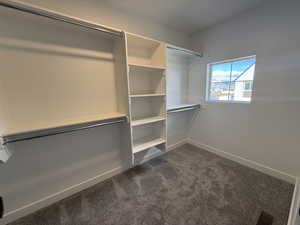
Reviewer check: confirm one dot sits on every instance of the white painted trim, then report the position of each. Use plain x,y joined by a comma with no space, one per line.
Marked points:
294,209
228,101
50,199
176,145
246,162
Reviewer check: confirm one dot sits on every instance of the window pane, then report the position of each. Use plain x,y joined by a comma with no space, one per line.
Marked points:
219,91
220,72
241,93
241,87
241,66
248,85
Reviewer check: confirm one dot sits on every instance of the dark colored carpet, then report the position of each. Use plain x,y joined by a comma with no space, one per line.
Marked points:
187,186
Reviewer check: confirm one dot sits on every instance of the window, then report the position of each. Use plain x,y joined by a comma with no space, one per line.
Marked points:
248,85
231,81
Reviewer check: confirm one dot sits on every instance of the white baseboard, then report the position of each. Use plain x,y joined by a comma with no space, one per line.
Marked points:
294,209
48,200
246,162
177,144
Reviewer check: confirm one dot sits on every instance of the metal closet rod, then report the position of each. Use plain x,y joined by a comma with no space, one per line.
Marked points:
52,133
186,51
57,16
185,108
182,109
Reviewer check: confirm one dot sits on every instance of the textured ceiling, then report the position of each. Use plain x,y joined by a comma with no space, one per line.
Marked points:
187,16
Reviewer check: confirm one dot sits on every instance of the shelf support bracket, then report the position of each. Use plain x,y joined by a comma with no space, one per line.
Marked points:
5,153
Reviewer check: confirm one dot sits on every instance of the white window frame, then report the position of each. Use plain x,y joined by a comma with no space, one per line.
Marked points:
208,80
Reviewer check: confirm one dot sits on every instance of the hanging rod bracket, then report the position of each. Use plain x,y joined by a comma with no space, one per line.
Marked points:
5,153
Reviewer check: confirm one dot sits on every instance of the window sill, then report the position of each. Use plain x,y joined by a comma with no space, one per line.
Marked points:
228,102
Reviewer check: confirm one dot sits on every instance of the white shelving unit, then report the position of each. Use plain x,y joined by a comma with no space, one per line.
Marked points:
144,80
88,81
147,92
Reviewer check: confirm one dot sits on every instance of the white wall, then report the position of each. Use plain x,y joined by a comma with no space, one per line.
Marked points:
97,11
267,130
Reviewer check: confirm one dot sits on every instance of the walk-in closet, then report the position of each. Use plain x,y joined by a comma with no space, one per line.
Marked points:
149,112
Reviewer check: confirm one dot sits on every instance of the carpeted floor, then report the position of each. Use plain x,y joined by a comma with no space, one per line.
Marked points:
187,186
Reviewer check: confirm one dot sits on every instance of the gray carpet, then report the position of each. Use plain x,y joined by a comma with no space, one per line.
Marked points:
187,186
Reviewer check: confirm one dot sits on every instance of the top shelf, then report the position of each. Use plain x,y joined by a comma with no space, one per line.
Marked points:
146,52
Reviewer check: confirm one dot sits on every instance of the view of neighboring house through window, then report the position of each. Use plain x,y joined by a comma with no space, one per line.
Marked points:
231,81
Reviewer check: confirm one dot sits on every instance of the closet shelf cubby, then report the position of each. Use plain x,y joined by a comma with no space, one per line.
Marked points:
146,81
148,136
146,143
147,107
145,51
147,120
